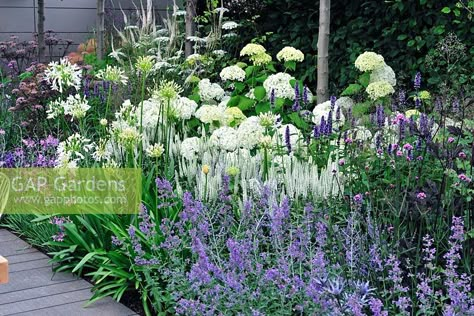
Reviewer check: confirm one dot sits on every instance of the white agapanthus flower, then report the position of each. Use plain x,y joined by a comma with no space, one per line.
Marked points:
230,25
250,132
323,109
369,61
100,151
190,148
210,91
379,89
155,151
232,73
71,151
62,75
184,108
280,84
289,53
55,108
76,106
225,138
113,74
280,136
211,114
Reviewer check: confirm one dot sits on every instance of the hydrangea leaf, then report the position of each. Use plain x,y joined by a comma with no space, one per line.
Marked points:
352,89
260,93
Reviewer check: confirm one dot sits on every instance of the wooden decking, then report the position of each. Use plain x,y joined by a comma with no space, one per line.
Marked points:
33,289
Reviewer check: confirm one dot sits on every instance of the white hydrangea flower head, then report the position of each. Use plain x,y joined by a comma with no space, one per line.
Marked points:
250,132
295,135
62,75
345,103
379,89
369,61
184,108
209,114
232,73
384,73
151,113
190,148
210,91
260,59
289,53
230,25
280,84
235,116
225,138
322,110
252,49
75,106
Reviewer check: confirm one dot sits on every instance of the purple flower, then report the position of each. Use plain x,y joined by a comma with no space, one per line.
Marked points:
358,198
272,98
287,139
380,116
417,81
421,195
305,95
296,104
333,100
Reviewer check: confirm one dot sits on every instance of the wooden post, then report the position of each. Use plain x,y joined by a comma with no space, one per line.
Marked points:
3,270
323,50
41,44
190,25
100,29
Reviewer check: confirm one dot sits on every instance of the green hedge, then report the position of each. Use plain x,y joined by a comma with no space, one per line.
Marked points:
404,32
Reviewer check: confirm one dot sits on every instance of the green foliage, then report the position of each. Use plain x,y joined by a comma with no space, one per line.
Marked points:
404,32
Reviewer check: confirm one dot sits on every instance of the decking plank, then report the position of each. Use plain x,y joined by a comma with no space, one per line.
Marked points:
25,257
43,291
105,307
14,247
35,290
34,278
30,265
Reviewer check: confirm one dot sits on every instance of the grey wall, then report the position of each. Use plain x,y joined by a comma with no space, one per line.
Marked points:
70,19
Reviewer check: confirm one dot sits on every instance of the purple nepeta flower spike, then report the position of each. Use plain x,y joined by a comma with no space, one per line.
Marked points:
322,126
305,95
333,100
417,81
329,124
272,98
456,105
287,139
316,133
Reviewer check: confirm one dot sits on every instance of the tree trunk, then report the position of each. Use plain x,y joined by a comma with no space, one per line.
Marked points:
190,25
100,29
41,44
323,48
